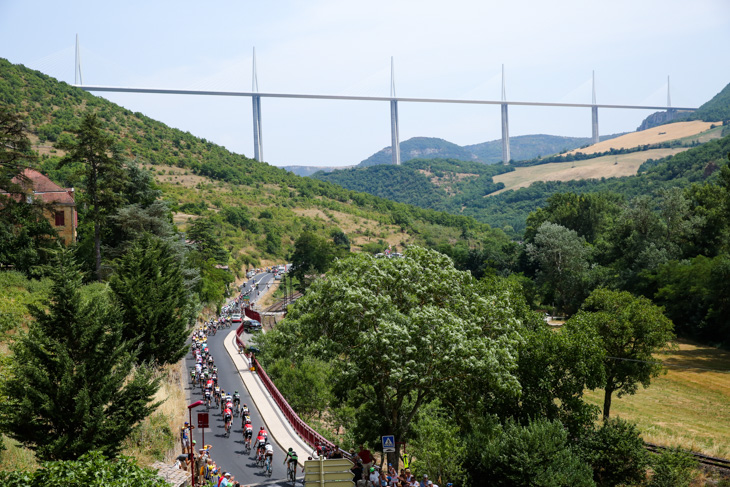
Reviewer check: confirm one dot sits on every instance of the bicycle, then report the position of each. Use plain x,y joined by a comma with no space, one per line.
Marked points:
247,446
291,473
228,429
267,466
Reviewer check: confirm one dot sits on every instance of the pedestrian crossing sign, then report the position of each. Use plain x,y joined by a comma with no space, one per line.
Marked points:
388,444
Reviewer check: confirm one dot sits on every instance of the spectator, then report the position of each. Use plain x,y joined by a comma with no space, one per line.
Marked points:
357,474
374,477
391,470
226,480
366,457
336,453
183,461
424,482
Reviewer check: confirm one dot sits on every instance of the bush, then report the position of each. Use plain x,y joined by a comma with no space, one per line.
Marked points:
616,453
535,455
673,468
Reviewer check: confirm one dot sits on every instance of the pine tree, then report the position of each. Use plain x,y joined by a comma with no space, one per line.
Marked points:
72,386
150,287
104,177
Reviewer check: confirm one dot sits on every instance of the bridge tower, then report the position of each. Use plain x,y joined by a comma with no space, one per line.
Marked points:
258,143
670,110
505,125
394,138
77,64
594,113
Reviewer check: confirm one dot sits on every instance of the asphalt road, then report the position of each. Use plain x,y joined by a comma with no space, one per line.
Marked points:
228,452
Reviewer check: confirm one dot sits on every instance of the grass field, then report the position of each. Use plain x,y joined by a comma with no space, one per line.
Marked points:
654,135
689,406
596,168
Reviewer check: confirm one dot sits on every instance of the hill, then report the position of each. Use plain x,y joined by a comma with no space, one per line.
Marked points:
258,210
521,147
717,109
420,148
309,170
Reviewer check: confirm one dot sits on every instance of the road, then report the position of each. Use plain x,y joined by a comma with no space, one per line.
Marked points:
228,452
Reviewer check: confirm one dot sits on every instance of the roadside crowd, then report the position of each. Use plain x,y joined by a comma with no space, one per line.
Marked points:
366,474
206,471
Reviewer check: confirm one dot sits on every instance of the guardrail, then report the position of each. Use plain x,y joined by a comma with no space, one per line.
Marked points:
309,435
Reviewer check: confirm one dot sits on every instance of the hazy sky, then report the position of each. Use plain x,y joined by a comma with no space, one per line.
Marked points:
444,49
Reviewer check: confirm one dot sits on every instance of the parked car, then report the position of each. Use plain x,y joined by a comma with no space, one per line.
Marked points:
252,325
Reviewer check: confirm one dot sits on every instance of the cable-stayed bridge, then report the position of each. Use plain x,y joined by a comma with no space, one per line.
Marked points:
256,97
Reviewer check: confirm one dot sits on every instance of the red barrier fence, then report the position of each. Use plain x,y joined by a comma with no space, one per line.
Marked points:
252,314
303,429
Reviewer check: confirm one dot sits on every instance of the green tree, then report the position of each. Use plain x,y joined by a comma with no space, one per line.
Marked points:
90,469
305,384
26,236
104,177
562,257
15,149
536,455
203,233
631,330
673,468
149,287
71,387
438,447
555,368
616,452
401,332
313,255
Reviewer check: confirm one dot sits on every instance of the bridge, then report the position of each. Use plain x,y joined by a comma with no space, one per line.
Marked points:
256,97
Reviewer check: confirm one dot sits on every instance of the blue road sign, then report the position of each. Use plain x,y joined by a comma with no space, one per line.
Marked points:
388,443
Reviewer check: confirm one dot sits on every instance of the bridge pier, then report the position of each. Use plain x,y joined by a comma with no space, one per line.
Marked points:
394,139
258,143
258,140
594,114
505,126
394,136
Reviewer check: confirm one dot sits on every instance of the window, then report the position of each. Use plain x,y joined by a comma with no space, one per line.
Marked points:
60,219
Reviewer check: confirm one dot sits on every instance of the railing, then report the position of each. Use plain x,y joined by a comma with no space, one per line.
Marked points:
303,429
252,314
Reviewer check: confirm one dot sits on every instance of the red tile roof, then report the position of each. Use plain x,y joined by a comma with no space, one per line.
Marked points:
44,188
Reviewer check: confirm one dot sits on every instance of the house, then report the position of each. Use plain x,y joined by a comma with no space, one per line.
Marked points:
60,205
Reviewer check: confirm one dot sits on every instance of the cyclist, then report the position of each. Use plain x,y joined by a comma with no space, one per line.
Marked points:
228,417
291,460
260,438
208,394
248,433
244,410
237,401
269,454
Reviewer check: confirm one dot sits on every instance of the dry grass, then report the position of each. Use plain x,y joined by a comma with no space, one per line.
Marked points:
596,168
654,135
689,406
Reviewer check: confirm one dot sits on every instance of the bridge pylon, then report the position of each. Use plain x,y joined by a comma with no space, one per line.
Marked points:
505,125
594,114
258,142
394,136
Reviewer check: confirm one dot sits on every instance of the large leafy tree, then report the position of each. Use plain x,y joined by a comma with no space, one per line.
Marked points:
149,286
103,176
313,255
401,332
631,329
562,258
72,387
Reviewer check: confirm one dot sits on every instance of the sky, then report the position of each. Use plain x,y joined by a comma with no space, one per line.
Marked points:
441,49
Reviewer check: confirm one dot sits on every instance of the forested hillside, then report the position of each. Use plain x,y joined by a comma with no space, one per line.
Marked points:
522,147
256,209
